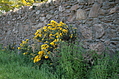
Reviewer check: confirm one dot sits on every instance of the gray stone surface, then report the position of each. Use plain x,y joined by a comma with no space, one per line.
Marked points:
61,8
86,31
94,11
97,31
112,10
80,14
91,1
75,7
99,47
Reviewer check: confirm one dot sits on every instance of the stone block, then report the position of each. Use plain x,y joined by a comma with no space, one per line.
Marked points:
86,31
99,47
94,11
71,18
75,7
61,8
81,14
99,30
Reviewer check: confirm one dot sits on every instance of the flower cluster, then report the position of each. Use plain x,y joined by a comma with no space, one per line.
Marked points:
24,47
50,37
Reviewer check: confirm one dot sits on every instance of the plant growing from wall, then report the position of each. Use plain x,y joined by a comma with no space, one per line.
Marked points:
48,40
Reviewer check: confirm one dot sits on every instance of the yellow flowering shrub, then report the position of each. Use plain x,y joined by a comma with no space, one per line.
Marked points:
24,47
50,37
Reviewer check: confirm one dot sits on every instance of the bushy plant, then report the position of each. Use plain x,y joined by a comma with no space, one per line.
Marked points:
54,51
48,39
106,68
73,64
15,66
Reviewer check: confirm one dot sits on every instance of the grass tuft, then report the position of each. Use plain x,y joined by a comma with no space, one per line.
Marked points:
68,63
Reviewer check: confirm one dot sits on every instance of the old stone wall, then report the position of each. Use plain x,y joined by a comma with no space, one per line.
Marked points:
97,22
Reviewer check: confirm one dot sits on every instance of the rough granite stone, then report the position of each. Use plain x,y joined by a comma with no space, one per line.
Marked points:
96,31
80,14
75,7
99,47
99,30
86,31
94,11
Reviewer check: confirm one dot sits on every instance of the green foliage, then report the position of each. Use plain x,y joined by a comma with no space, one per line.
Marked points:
69,63
106,68
15,66
72,64
5,5
67,60
8,5
48,38
56,55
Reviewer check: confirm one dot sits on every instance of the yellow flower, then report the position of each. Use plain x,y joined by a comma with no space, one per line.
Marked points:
48,52
24,2
37,58
74,28
60,28
46,56
71,35
39,30
39,40
41,52
53,29
50,35
27,40
49,27
24,42
57,33
5,47
50,63
19,47
46,42
45,30
25,53
40,35
52,21
12,47
45,27
59,24
36,33
52,43
49,24
57,36
65,31
62,24
56,40
34,37
44,46
60,34
42,39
